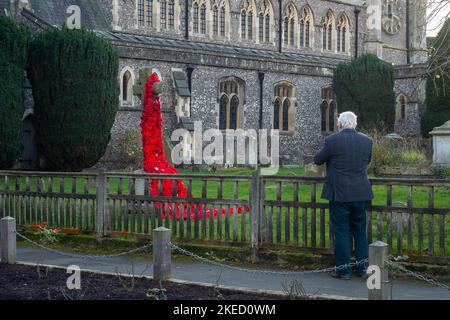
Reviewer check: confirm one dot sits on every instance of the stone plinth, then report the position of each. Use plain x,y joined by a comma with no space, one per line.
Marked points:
441,145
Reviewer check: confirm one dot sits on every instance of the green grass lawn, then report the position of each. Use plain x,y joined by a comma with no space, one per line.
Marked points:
285,218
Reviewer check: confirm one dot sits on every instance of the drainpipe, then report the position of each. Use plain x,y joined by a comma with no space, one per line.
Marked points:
189,70
408,48
186,19
261,75
280,25
357,11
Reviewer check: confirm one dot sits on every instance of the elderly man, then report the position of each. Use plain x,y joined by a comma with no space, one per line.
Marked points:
347,187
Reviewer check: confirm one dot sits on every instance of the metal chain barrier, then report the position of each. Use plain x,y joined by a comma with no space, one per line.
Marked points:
83,257
185,252
222,265
416,275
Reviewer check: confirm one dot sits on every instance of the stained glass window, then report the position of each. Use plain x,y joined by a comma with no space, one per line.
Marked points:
261,28
286,105
195,17
267,28
276,114
234,105
171,14
291,32
203,18
223,112
215,21
243,24
141,12
250,26
286,31
331,116
222,22
323,114
163,14
149,12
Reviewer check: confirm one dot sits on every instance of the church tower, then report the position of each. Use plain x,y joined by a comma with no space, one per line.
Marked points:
396,30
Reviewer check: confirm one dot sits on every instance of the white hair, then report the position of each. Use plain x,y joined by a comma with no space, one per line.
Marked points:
347,120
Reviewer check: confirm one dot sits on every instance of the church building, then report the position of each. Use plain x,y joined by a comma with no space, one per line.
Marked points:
249,63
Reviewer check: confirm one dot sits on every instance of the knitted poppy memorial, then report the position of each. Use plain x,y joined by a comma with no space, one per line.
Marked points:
155,160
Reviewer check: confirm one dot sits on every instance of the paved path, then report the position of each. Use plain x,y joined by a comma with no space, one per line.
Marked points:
199,272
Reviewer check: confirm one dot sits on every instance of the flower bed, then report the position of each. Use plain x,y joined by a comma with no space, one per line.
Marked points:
21,282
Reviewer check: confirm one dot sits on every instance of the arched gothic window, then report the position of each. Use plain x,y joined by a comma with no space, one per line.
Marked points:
200,14
223,106
250,26
328,110
167,19
215,21
342,33
126,87
276,113
327,31
400,107
145,13
222,20
283,108
261,27
290,19
248,11
323,114
265,19
230,103
203,19
306,27
195,17
141,13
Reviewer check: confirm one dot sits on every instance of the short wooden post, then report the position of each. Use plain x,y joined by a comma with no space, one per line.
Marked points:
162,260
8,240
255,213
103,220
378,254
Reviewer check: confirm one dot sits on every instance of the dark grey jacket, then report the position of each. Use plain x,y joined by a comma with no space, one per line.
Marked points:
347,155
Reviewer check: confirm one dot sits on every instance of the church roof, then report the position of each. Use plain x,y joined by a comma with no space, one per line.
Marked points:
54,12
220,48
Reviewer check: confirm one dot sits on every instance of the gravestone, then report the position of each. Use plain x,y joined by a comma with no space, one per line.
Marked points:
311,170
393,140
441,145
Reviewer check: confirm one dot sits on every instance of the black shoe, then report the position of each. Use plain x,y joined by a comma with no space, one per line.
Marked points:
340,276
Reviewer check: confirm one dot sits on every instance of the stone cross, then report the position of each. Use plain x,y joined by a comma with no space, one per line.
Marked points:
139,88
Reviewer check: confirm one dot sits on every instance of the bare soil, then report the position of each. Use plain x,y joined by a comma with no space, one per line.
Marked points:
19,282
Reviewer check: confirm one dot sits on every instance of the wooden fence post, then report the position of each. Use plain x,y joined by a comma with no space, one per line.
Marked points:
161,254
378,254
103,223
255,213
8,240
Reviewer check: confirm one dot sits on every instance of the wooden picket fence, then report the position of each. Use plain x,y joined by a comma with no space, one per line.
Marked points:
260,211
